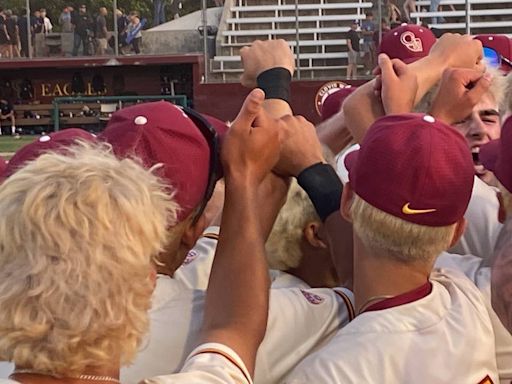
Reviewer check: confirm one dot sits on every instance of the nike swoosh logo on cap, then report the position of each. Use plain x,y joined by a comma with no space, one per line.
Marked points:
409,211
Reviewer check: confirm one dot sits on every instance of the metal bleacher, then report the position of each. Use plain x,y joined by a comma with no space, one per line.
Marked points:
486,16
322,25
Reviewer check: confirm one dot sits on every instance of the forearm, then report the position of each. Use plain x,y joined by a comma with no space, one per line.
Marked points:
363,107
334,134
237,297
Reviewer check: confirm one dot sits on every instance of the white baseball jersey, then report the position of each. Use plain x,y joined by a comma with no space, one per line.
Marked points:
472,267
300,321
444,337
195,270
210,363
5,369
483,226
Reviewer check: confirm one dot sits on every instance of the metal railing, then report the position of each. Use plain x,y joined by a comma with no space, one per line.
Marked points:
119,100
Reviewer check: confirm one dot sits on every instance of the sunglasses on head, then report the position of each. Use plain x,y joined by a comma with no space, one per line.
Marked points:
210,134
495,59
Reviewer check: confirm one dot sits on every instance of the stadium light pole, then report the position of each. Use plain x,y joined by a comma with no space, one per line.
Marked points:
116,29
29,32
205,39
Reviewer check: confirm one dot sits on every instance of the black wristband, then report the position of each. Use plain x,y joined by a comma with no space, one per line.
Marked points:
275,82
323,187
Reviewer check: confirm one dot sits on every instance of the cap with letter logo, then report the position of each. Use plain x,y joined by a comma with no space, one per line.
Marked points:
413,167
496,156
408,42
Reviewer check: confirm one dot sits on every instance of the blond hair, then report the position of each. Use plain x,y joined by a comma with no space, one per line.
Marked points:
507,105
497,91
283,245
398,239
77,235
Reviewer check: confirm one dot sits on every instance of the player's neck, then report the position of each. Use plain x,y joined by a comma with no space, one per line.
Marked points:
379,277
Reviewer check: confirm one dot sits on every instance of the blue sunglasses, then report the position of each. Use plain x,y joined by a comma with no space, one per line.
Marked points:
494,59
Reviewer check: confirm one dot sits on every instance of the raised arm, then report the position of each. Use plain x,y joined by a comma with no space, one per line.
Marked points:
363,107
237,295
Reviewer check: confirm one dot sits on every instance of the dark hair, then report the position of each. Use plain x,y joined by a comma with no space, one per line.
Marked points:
369,13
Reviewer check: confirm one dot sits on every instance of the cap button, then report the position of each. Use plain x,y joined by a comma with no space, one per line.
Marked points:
429,119
140,120
44,139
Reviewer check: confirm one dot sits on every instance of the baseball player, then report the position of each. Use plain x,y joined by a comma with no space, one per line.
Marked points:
401,223
145,131
405,210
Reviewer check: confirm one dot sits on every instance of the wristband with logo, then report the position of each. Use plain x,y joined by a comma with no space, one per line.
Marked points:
323,187
275,82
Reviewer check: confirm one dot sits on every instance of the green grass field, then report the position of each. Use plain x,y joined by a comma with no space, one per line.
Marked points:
9,145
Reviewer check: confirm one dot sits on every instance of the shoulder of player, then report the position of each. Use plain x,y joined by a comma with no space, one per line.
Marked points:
170,291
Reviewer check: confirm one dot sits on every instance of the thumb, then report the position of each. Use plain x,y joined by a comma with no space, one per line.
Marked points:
480,88
250,109
386,67
400,67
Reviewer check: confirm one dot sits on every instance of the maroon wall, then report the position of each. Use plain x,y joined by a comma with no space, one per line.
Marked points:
225,100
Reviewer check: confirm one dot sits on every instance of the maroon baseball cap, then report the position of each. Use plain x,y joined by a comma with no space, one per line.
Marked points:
163,133
413,167
496,156
408,43
334,101
499,43
56,141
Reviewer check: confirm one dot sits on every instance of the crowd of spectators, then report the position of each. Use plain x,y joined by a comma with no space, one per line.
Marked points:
90,34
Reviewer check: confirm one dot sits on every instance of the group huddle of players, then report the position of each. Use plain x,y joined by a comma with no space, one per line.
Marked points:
176,248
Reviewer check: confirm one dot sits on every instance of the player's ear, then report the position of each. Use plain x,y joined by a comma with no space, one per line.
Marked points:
502,211
347,198
193,231
311,234
460,227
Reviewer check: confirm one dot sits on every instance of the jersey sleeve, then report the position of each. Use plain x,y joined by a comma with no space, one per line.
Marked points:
210,363
300,322
195,270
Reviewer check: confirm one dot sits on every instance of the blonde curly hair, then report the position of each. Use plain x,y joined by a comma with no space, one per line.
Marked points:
77,235
283,244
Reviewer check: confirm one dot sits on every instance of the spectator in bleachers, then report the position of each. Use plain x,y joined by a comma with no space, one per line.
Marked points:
158,12
101,31
82,23
23,30
353,50
7,113
219,3
47,24
394,12
133,31
4,36
409,7
368,29
434,7
65,20
12,30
